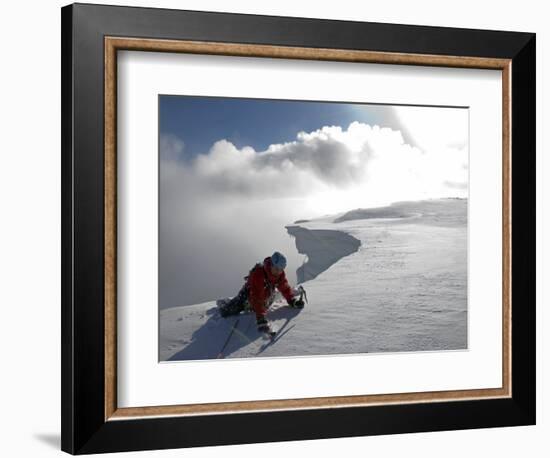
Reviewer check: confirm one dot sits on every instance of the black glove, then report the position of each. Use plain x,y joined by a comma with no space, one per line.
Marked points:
296,303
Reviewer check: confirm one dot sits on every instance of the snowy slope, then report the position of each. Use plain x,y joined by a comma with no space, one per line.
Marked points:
378,280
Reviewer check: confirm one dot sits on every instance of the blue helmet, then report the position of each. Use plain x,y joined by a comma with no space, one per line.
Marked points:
278,260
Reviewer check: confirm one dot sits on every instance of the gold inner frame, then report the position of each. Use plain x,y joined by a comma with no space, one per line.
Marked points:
112,45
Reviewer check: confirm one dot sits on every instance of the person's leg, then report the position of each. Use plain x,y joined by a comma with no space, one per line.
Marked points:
235,305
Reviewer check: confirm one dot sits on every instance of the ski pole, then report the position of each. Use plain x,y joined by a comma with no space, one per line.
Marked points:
220,354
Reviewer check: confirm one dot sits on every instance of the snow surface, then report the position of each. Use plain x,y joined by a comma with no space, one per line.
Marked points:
378,280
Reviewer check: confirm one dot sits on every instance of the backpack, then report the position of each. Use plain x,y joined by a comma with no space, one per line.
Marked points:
267,284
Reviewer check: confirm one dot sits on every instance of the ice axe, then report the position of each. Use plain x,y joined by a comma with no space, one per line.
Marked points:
303,294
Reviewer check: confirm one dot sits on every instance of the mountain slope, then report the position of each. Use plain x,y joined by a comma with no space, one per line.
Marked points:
376,284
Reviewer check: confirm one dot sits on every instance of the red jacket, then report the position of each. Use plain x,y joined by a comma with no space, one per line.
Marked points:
261,283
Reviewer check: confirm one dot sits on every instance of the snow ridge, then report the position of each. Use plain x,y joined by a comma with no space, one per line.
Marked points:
374,283
323,247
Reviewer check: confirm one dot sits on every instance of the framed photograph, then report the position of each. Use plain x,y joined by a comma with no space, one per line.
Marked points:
285,228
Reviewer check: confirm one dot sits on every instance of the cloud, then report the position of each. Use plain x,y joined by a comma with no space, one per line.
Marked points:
326,159
171,148
330,157
431,128
456,185
222,211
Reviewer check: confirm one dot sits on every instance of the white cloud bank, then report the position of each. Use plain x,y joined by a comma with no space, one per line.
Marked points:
371,160
224,210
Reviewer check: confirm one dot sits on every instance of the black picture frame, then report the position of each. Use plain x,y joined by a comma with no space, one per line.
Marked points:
84,426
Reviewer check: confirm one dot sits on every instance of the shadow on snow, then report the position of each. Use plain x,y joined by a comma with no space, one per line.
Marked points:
208,341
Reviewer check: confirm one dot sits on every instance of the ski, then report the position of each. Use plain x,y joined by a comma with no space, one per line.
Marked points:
268,333
278,334
278,331
271,333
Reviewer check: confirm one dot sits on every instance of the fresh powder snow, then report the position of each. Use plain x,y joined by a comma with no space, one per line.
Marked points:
388,279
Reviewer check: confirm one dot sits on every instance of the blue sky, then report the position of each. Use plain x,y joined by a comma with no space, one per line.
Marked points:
201,121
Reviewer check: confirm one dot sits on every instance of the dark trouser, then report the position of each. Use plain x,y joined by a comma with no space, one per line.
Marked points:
237,304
